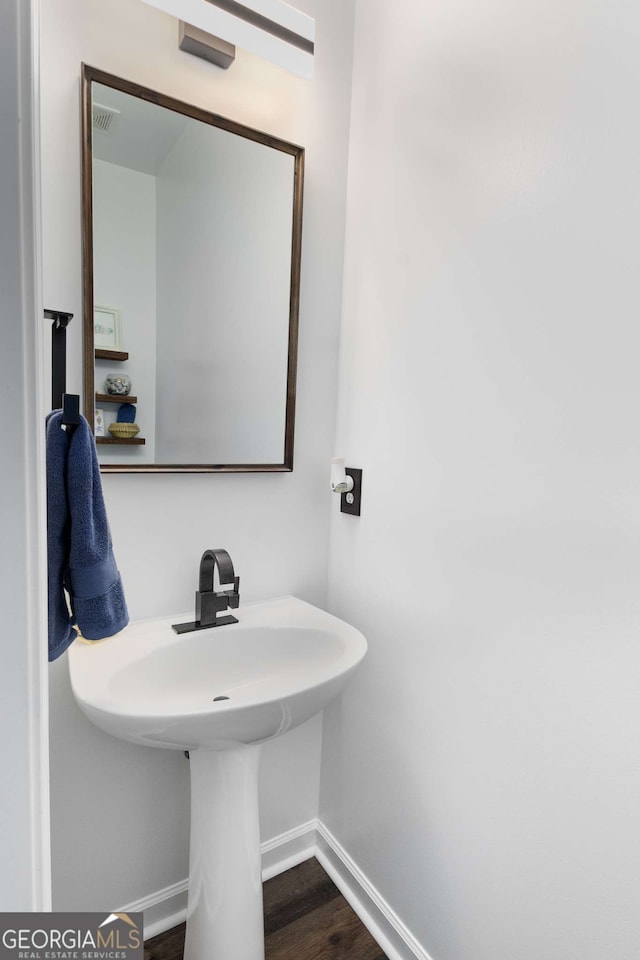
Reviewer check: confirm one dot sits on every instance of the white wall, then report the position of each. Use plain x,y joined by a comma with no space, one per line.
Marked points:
225,212
109,798
483,768
124,277
24,822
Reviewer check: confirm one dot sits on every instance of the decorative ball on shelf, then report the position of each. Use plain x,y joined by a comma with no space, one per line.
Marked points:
118,384
124,427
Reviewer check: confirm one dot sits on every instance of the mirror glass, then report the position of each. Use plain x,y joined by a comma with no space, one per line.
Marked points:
192,228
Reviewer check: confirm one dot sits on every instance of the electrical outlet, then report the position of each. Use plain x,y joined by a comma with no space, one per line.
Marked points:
350,502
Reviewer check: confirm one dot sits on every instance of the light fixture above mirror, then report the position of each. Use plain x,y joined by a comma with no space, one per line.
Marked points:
271,29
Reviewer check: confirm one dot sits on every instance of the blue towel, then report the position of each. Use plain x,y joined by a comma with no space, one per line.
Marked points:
61,632
81,559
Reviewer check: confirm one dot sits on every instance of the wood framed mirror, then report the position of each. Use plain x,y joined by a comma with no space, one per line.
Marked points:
192,230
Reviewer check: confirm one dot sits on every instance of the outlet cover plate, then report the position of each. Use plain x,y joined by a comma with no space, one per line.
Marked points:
352,508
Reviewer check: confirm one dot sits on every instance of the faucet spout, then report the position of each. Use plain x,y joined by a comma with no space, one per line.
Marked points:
211,558
209,602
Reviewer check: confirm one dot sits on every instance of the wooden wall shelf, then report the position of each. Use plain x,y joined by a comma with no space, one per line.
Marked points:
130,441
111,355
113,398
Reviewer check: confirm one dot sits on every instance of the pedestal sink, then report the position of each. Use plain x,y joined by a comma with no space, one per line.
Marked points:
219,693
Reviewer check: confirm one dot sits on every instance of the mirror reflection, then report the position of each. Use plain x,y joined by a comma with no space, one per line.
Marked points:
192,242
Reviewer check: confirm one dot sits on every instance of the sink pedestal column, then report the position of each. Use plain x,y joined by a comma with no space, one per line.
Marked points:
224,913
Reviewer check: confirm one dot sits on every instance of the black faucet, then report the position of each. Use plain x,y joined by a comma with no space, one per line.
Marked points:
208,603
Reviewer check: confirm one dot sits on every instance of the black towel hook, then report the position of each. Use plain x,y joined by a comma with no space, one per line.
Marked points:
69,402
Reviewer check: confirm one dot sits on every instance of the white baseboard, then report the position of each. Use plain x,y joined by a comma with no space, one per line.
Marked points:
381,921
167,908
288,850
162,910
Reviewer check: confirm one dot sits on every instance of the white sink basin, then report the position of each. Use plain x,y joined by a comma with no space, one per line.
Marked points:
278,666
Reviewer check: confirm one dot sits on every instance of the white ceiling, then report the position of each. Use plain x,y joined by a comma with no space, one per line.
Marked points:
140,136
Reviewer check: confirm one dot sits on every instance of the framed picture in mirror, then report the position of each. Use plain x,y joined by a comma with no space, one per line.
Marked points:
107,328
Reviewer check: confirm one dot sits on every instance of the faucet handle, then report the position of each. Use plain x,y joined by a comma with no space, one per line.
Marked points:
234,595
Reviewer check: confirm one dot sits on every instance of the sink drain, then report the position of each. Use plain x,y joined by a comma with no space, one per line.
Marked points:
219,698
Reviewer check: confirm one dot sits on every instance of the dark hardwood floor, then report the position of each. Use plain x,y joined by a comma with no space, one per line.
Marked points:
305,918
